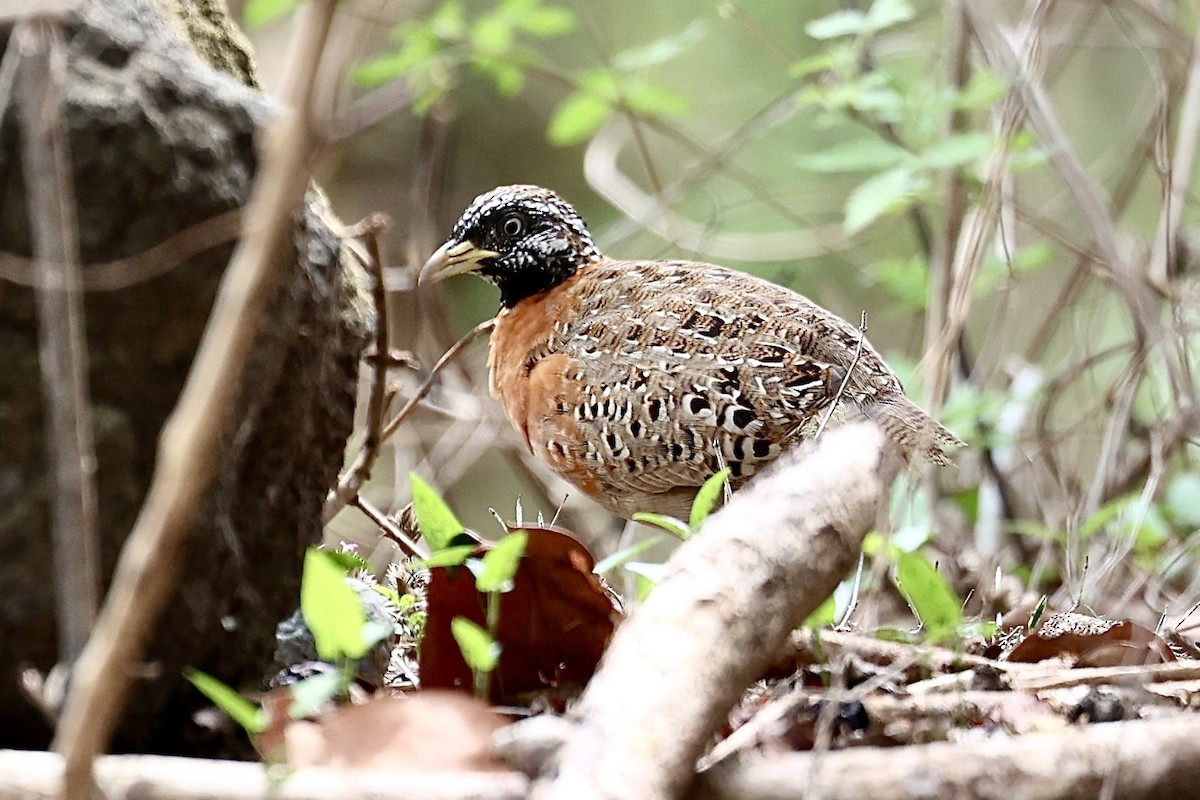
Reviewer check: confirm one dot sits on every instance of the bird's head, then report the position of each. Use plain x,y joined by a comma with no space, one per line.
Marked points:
524,239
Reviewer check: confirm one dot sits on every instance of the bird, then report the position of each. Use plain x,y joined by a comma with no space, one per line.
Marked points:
636,381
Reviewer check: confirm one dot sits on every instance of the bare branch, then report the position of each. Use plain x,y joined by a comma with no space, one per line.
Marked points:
359,471
63,352
123,273
27,775
446,359
1141,759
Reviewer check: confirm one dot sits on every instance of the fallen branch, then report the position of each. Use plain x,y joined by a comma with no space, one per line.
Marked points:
32,775
731,597
1139,759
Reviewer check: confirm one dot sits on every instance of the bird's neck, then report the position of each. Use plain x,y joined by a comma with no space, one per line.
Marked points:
521,284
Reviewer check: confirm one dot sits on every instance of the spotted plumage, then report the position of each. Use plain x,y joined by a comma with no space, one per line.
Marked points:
637,380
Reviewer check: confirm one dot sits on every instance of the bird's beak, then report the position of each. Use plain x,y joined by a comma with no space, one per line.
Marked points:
453,258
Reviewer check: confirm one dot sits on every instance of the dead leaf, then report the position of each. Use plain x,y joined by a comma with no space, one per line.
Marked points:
430,730
269,741
1025,712
554,623
1091,642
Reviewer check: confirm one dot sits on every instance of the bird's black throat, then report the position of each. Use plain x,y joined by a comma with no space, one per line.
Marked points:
522,275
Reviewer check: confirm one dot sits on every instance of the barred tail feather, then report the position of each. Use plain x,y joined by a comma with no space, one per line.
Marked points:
914,431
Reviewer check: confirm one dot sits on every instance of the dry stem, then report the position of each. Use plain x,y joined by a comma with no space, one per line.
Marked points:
370,229
63,346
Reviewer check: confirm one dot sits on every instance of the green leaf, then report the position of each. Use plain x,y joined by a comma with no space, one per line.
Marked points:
260,12
813,65
1103,516
886,13
547,21
1146,526
957,150
874,543
661,50
508,78
905,278
895,635
823,615
435,519
252,718
982,90
652,100
453,556
885,193
931,598
839,23
911,515
856,155
621,556
1182,500
493,35
649,570
648,576
331,608
347,560
419,57
390,594
577,119
379,71
311,693
479,650
449,21
675,527
706,499
601,83
501,562
1036,615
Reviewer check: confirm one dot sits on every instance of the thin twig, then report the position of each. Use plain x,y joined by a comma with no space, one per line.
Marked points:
367,111
856,586
370,230
390,529
837,398
980,223
1176,170
71,449
188,445
447,358
123,273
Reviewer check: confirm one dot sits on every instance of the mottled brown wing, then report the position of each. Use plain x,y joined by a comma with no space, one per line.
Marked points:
673,381
639,380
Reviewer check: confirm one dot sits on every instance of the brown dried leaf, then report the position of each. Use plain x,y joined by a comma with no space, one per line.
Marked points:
1092,642
554,624
270,741
431,731
1025,712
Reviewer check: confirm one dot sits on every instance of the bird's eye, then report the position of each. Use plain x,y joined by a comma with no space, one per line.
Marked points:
512,226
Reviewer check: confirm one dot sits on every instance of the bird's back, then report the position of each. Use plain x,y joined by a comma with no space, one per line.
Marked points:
638,380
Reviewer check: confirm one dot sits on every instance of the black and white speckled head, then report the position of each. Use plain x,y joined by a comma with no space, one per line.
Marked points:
525,239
